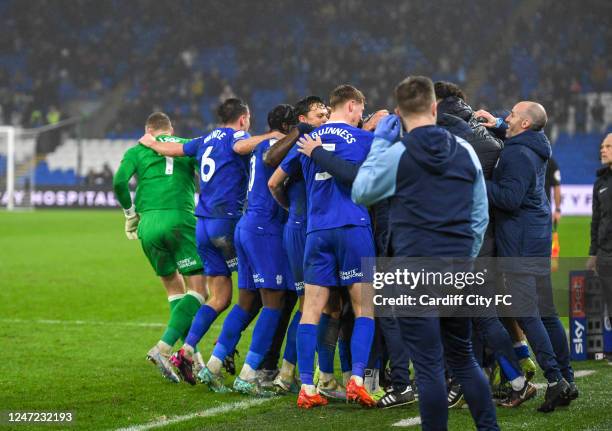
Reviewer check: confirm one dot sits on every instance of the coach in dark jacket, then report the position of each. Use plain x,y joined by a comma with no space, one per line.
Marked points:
601,222
600,250
523,233
522,213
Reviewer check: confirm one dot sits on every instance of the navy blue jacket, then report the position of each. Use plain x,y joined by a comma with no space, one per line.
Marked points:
522,213
438,204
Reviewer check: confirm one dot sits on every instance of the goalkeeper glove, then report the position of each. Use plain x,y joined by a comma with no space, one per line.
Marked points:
131,223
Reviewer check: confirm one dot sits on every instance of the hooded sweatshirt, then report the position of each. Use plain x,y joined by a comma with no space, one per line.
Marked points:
438,204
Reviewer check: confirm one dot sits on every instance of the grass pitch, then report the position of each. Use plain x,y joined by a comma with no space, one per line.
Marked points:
80,307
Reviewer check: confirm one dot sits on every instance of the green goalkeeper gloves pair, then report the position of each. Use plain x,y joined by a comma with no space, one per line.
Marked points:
131,222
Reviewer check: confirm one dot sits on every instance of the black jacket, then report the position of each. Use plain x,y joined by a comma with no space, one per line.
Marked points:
487,146
601,223
458,118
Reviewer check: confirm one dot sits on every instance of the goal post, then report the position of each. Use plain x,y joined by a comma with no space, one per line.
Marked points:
8,133
21,152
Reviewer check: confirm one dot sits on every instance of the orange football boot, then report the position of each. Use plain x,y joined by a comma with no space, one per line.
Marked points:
359,394
306,401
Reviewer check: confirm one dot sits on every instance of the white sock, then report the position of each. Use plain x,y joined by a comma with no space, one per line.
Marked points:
310,389
518,383
175,297
358,380
247,373
214,365
519,344
325,377
287,370
197,296
188,350
164,348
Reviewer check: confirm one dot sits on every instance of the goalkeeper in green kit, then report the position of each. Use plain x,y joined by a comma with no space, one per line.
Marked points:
162,217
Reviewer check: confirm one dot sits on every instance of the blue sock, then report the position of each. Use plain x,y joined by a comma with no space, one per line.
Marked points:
344,351
327,336
234,324
361,343
264,331
291,346
321,329
522,351
508,369
205,316
306,347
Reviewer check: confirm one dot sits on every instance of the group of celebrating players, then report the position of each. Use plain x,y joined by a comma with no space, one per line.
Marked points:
281,209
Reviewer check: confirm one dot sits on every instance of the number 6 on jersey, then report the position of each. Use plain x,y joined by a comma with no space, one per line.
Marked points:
207,161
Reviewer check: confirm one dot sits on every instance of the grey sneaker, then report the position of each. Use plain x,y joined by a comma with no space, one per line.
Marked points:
162,361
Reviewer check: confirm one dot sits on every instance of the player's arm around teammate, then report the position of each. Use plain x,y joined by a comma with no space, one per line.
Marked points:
164,199
339,235
311,112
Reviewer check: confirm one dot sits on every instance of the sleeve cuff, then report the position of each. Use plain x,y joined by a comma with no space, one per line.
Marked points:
130,212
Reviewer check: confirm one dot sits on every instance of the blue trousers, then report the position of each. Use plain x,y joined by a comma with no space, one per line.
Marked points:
428,339
533,301
399,359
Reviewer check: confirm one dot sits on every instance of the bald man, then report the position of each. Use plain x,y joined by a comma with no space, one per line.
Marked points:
523,239
601,224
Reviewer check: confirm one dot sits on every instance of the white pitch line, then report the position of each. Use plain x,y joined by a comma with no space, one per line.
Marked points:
223,408
410,422
84,322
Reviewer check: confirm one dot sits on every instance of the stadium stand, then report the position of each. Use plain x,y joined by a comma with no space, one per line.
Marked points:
89,51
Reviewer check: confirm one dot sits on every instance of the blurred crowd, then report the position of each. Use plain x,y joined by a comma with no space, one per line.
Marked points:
183,57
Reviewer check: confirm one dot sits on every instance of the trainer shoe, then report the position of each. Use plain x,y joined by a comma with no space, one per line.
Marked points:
184,366
571,396
516,398
395,398
359,394
455,396
162,361
554,395
282,386
306,401
251,388
529,368
266,378
213,381
331,389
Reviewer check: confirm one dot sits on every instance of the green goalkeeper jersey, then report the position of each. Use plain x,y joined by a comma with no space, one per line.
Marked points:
163,182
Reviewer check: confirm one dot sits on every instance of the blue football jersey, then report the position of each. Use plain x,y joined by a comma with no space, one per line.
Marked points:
262,213
296,188
329,203
223,173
